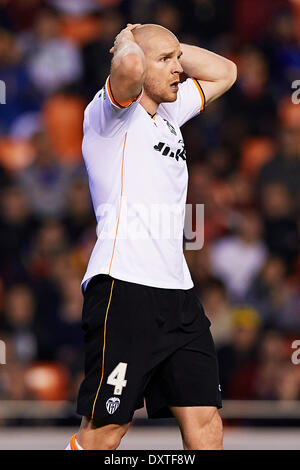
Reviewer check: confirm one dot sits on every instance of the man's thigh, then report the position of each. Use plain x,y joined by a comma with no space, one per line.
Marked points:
188,378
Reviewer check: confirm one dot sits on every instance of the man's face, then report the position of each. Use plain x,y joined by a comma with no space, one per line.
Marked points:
162,54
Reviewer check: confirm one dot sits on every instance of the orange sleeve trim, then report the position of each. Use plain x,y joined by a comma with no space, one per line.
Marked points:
201,93
113,252
73,443
103,350
125,104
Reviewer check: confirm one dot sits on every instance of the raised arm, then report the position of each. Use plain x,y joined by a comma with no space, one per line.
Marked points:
128,67
215,74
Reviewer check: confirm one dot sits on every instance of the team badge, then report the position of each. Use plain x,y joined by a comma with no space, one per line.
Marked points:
102,92
112,404
172,128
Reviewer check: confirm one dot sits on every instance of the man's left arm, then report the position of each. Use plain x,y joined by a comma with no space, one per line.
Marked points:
215,73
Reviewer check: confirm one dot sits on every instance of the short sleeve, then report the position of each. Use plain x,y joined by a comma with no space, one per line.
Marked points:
190,101
105,115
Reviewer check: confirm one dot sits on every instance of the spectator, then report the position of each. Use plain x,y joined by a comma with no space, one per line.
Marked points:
238,358
218,310
285,166
272,359
236,259
280,224
52,60
76,7
46,180
21,96
67,333
48,243
19,323
78,214
17,226
288,384
262,291
253,93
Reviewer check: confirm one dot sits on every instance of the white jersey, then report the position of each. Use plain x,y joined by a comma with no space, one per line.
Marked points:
138,181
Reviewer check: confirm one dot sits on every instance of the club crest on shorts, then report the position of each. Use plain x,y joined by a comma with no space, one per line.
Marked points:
112,404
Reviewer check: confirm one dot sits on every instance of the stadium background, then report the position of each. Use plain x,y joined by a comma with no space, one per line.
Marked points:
244,166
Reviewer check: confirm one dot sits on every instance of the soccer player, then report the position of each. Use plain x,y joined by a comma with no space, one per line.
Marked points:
146,333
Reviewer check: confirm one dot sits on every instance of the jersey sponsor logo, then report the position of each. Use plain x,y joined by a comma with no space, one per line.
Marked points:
165,150
172,128
112,404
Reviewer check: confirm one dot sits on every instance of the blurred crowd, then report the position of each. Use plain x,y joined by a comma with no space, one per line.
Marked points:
244,166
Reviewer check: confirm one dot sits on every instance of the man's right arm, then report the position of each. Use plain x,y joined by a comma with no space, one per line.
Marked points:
111,109
128,68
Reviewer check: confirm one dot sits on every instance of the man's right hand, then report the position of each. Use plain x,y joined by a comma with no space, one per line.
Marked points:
128,67
124,35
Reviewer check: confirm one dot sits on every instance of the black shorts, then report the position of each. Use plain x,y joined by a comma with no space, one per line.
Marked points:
147,343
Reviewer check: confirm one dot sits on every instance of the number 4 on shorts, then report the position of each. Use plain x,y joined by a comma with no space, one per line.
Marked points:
117,378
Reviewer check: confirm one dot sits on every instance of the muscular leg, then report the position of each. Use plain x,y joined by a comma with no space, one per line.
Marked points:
96,435
200,427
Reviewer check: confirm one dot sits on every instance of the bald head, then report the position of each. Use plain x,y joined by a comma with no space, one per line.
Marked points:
162,52
149,36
